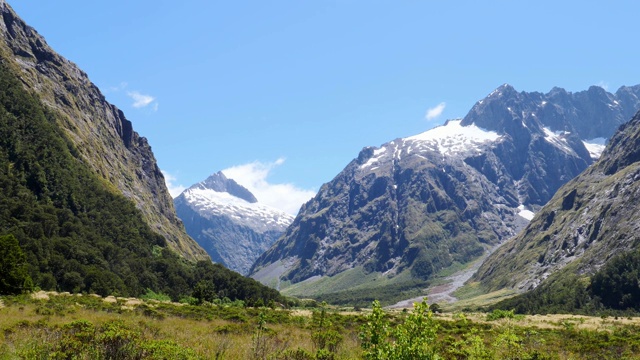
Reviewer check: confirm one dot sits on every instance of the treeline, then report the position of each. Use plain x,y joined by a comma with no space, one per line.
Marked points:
78,234
615,286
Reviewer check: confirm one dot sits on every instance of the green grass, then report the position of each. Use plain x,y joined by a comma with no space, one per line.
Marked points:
358,288
87,327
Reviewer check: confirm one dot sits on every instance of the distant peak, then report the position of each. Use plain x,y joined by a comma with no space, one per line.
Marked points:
557,90
220,183
502,90
597,89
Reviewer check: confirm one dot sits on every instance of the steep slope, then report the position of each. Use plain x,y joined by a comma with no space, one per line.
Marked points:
417,205
99,130
77,233
228,222
589,221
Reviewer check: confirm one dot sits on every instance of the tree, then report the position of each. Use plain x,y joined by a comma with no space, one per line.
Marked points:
204,291
14,273
415,338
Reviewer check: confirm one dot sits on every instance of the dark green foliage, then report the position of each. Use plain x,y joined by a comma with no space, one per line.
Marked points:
78,234
14,275
204,291
617,283
612,288
559,294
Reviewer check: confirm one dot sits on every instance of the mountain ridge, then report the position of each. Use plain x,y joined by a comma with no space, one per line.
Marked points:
589,220
423,203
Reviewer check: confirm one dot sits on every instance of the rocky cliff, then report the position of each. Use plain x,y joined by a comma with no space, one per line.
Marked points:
589,221
99,130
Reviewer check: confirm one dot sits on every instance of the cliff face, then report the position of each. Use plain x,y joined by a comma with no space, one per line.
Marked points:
99,130
588,221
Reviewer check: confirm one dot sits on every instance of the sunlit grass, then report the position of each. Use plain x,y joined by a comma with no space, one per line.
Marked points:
29,327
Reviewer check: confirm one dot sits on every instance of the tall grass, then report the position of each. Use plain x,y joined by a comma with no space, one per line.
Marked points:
86,327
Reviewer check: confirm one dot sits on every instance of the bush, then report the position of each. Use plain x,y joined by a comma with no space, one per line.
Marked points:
415,338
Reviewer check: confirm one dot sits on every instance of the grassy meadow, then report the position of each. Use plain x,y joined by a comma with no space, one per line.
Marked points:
65,326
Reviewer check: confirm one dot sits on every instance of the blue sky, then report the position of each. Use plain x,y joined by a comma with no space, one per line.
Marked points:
285,93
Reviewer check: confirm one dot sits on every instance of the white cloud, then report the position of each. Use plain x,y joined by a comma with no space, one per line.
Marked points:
141,100
170,181
253,176
436,111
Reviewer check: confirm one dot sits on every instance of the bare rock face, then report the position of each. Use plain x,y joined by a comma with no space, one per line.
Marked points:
588,221
228,222
100,131
420,204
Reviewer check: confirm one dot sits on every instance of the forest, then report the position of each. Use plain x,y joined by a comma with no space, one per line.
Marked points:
63,228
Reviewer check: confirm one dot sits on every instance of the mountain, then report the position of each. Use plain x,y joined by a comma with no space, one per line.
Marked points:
404,211
589,225
228,222
82,206
98,130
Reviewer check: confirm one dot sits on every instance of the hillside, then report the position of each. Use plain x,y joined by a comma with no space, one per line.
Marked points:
77,231
102,135
584,238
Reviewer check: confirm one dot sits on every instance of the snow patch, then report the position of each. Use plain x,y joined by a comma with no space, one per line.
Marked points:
257,216
527,214
377,154
452,138
595,147
558,139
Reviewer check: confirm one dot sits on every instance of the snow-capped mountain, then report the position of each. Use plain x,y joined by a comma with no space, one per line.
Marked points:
416,205
228,221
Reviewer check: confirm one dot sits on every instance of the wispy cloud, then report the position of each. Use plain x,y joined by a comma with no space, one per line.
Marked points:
141,100
604,85
434,112
174,188
253,176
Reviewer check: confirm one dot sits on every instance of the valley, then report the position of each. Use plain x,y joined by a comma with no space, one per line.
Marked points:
511,232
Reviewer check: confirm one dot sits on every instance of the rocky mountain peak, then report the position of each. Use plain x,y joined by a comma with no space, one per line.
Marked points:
228,222
623,149
220,183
